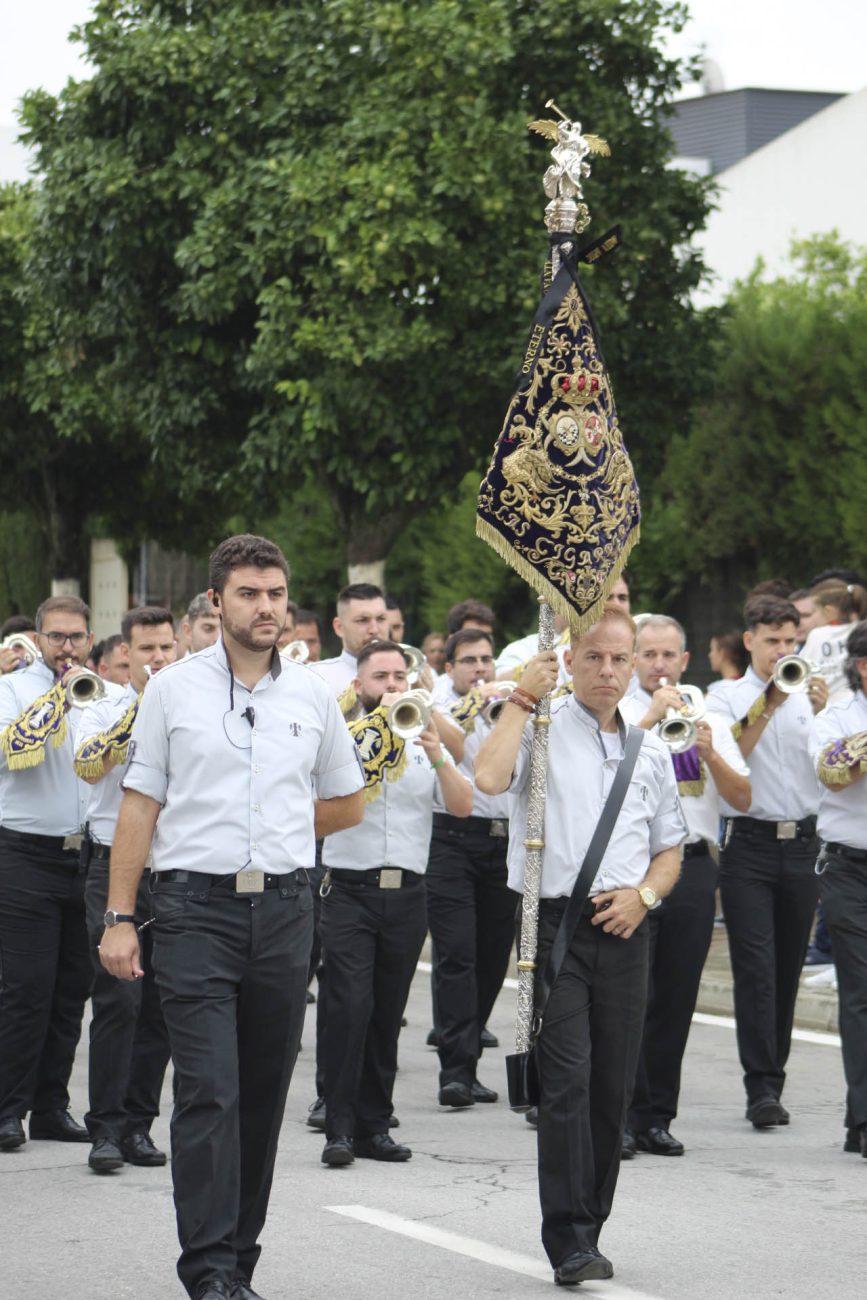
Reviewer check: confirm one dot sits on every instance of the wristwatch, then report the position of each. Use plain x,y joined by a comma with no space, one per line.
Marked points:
115,918
648,896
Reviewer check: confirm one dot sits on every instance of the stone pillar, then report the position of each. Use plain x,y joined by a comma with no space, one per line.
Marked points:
109,588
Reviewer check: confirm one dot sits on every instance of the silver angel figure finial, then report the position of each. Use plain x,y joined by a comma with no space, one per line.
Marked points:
567,212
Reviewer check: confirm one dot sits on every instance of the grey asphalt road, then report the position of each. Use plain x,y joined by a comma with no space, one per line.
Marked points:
742,1214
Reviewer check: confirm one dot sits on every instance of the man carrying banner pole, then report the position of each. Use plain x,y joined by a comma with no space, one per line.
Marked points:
560,504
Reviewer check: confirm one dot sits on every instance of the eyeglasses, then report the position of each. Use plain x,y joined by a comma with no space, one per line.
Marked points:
58,638
470,661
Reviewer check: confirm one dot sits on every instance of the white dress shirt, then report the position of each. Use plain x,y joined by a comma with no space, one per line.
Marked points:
47,799
782,774
236,788
702,811
517,653
582,763
396,828
444,694
484,805
843,810
339,672
106,795
825,647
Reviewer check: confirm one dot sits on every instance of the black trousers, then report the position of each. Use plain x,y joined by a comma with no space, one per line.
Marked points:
769,891
844,898
232,974
679,932
317,968
471,916
587,1054
372,939
45,975
129,1044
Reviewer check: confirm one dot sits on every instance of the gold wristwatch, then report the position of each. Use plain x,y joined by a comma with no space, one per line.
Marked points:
648,896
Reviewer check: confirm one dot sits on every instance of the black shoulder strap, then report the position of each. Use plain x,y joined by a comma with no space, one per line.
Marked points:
590,866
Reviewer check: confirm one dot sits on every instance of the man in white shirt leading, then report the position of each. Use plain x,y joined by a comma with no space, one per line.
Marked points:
841,762
767,880
681,927
588,1046
129,1045
373,917
238,759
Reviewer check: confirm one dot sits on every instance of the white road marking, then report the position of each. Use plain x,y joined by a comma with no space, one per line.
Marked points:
814,1036
473,1249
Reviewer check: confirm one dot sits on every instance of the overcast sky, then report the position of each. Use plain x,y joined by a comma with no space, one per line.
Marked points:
793,44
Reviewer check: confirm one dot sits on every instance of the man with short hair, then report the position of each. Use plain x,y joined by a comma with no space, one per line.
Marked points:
396,625
238,759
201,627
129,1046
767,882
46,971
588,1045
619,594
360,619
287,636
373,911
681,927
111,660
308,630
471,613
434,650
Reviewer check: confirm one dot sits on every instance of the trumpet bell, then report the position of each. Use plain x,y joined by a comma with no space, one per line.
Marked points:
791,674
415,662
296,651
493,707
85,688
409,714
677,732
20,641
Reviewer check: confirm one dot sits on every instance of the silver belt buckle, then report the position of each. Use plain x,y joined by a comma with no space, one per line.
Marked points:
390,878
250,882
499,828
72,842
787,830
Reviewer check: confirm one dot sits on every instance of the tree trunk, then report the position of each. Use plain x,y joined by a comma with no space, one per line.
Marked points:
367,571
369,537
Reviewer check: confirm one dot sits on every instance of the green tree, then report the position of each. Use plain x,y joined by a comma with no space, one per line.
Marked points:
772,476
291,244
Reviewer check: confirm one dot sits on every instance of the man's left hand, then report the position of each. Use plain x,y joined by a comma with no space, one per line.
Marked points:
619,911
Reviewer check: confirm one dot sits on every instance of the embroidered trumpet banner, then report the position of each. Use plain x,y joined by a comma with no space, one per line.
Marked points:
560,500
382,753
111,745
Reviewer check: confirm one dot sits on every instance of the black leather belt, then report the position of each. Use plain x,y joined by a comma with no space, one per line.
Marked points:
805,829
55,843
699,849
556,906
378,877
844,851
205,880
496,826
99,852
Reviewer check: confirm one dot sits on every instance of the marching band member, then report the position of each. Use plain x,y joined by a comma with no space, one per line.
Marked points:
361,618
841,762
767,882
682,926
46,969
129,1046
373,911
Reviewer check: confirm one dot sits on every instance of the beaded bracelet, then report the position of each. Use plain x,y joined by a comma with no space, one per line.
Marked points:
522,704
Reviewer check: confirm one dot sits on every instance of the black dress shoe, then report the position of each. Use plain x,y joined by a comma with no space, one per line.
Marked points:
393,1121
488,1039
766,1112
241,1290
337,1152
852,1142
532,1116
627,1145
382,1147
11,1133
584,1266
105,1156
456,1095
316,1115
216,1289
139,1149
659,1142
433,1039
57,1126
480,1093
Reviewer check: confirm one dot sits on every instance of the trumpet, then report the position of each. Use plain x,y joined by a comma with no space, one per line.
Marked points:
792,673
415,662
297,652
677,729
409,715
493,707
20,641
83,688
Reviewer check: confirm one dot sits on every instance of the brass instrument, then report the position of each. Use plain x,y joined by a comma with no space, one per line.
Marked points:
493,707
677,729
792,673
415,662
297,652
20,641
409,715
84,688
